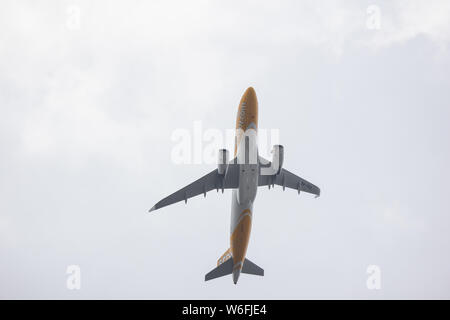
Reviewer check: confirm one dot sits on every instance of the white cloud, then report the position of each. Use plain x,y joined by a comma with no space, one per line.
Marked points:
404,20
398,217
67,75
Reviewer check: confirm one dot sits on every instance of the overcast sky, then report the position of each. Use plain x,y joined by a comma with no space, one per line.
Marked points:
92,91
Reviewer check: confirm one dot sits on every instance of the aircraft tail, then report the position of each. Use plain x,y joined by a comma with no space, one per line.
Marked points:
251,268
225,267
224,257
221,270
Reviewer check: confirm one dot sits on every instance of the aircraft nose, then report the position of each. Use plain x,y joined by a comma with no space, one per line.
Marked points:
251,105
236,274
250,93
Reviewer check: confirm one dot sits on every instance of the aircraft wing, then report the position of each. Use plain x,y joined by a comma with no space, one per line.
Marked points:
289,180
212,180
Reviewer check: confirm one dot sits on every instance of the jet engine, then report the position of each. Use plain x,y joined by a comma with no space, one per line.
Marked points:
277,158
222,163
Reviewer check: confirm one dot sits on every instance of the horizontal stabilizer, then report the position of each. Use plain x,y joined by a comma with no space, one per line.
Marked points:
221,270
251,268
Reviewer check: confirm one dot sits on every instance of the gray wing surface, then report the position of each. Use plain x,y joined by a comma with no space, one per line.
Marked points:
211,181
287,179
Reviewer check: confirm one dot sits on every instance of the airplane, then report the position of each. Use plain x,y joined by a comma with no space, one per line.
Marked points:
243,175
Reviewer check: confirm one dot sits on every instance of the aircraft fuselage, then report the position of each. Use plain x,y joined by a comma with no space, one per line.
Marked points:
246,153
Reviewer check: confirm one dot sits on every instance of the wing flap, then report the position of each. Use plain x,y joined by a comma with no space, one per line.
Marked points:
287,179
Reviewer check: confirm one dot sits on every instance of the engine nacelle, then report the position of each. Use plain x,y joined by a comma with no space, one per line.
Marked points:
222,162
277,158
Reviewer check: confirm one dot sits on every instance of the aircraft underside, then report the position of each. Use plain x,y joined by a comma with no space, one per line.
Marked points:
243,175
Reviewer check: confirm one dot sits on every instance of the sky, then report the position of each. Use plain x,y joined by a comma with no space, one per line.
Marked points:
91,93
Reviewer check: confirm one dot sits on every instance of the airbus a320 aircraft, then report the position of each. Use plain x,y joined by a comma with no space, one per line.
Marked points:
243,174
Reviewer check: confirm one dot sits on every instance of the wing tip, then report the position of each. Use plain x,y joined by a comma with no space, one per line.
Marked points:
152,209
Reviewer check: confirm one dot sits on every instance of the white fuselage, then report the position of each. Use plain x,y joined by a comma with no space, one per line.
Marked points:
244,196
